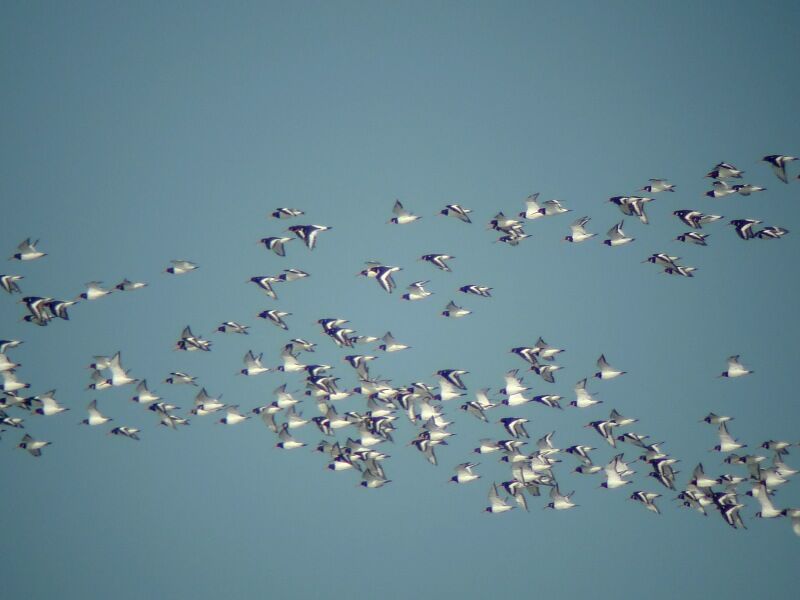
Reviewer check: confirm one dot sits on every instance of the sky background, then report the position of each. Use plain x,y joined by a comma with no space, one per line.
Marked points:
135,134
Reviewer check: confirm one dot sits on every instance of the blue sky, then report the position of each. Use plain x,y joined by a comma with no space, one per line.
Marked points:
133,135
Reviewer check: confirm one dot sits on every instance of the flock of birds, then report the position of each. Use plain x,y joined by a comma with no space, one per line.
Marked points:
353,440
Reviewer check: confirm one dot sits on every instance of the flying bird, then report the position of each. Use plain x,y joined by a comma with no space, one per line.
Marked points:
401,215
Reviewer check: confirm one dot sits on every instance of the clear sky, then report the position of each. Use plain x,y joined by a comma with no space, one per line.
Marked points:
135,133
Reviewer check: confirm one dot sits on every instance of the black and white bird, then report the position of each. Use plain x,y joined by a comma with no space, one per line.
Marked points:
725,170
457,211
560,501
252,364
648,500
694,218
275,317
658,185
438,260
693,237
276,244
532,209
179,378
126,285
476,290
553,207
745,189
744,227
286,213
144,395
583,399
292,275
26,251
579,233
617,237
606,371
382,274
632,206
778,163
95,417
615,472
233,327
771,233
34,447
390,344
180,267
128,432
94,290
454,311
726,442
48,405
515,426
720,189
465,473
401,215
189,342
265,283
9,283
417,291
735,368
496,503
308,233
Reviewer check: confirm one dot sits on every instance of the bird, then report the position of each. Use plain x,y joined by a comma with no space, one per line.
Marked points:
457,211
265,283
119,376
178,378
382,274
292,275
692,237
496,503
126,285
401,215
658,185
144,395
647,499
27,251
417,291
275,317
49,404
744,227
276,244
95,416
252,364
34,447
721,189
724,170
726,442
181,267
190,342
745,189
465,473
615,472
233,416
454,311
694,218
286,213
438,260
287,441
552,208
583,399
233,327
735,368
128,432
771,233
632,206
476,290
9,283
532,209
390,344
515,426
308,233
579,233
714,419
778,163
617,237
606,371
6,345
560,501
